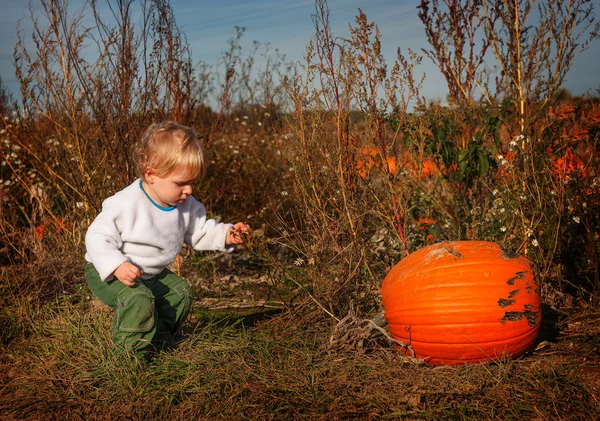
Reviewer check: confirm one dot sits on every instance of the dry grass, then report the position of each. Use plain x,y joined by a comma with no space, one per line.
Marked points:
59,367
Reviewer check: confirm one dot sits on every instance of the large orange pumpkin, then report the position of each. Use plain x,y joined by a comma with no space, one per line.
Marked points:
462,302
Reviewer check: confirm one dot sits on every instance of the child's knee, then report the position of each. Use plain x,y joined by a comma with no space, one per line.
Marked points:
185,290
178,287
135,310
186,295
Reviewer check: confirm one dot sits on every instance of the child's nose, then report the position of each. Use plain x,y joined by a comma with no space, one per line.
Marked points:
187,189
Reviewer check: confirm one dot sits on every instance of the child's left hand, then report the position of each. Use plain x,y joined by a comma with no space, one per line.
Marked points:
234,235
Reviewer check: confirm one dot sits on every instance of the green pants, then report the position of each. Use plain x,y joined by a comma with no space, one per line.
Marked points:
147,315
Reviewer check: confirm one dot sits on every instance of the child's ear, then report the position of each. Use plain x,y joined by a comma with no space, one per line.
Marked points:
148,176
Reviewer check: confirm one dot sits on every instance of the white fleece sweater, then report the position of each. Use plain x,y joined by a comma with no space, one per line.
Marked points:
133,228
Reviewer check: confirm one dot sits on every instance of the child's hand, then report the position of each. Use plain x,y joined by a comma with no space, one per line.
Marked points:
127,273
234,235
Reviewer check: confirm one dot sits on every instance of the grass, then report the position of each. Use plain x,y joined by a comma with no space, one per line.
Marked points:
60,367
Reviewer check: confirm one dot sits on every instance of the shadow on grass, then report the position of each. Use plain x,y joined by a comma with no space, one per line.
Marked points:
230,317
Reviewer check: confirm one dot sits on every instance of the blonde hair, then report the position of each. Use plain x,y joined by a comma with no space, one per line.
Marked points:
167,147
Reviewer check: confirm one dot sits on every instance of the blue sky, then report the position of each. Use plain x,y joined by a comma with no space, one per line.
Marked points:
287,26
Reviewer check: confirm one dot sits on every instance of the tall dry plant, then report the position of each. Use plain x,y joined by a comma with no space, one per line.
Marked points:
458,49
87,90
528,205
535,44
4,99
342,100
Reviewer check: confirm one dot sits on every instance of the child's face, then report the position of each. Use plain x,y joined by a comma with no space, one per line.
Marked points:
170,190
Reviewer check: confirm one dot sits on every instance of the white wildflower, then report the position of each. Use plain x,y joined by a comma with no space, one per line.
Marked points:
576,219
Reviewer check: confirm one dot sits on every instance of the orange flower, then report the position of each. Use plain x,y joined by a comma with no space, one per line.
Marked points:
370,151
362,167
372,156
502,170
593,115
561,113
567,164
452,168
39,231
392,168
424,222
429,167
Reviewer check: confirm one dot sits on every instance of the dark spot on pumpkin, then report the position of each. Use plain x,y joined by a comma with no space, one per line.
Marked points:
503,302
529,289
533,318
513,293
514,316
518,275
528,306
453,252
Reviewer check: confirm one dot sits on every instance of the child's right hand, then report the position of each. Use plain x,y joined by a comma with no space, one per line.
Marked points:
127,273
234,235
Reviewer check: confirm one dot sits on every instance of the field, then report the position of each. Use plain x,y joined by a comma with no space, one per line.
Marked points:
257,363
342,169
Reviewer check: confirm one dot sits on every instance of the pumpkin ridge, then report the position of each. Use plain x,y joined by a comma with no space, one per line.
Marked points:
414,342
451,265
524,334
498,314
490,321
460,284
